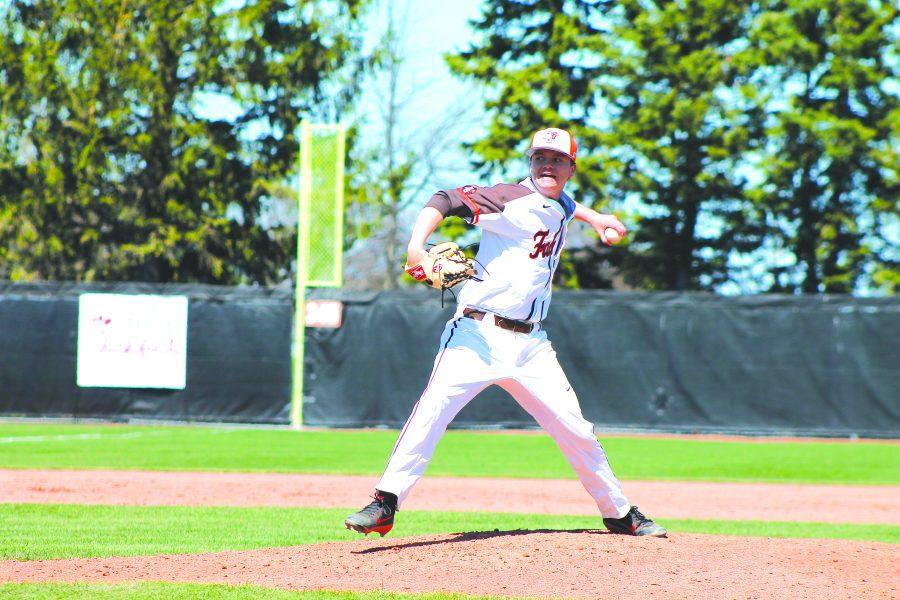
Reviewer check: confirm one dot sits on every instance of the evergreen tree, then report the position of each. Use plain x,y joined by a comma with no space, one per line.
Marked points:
646,89
678,132
830,169
530,56
537,62
109,168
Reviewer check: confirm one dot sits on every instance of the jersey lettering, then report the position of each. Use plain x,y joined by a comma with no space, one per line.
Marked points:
542,247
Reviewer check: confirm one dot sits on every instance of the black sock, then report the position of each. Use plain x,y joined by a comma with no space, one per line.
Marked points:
388,498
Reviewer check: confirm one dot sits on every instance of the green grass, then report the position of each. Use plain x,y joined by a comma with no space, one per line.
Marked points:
460,453
44,531
193,591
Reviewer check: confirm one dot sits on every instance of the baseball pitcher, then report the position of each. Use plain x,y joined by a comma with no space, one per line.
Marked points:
496,336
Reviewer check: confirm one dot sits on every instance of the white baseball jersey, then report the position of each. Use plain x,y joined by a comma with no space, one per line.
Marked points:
523,234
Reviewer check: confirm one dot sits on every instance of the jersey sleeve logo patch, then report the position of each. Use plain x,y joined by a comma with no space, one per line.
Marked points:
466,192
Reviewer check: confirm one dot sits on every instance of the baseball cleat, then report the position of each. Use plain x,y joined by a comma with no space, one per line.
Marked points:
635,523
378,516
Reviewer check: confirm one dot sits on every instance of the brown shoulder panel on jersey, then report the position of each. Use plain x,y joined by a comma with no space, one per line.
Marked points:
441,201
470,201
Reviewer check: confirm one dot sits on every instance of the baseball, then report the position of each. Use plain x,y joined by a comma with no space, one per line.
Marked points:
612,236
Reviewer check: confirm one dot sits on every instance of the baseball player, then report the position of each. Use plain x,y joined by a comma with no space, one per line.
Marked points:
496,335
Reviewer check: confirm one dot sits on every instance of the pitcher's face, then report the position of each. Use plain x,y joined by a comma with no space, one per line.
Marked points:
550,171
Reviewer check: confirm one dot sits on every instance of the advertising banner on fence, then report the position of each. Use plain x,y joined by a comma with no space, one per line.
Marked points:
132,341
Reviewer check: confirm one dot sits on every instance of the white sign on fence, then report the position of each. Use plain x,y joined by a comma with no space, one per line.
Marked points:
324,313
132,341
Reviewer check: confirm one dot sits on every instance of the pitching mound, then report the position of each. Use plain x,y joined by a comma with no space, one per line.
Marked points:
575,564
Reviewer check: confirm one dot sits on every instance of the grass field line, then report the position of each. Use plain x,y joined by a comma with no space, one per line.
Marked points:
63,437
459,454
43,532
194,591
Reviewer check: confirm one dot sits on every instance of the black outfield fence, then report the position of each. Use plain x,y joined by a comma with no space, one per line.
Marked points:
814,365
668,362
238,356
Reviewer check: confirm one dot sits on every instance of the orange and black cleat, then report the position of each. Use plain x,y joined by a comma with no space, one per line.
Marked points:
378,516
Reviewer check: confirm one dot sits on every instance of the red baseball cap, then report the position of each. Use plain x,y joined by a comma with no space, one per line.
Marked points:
558,140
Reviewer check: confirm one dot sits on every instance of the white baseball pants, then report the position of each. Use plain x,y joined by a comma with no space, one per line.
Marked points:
475,354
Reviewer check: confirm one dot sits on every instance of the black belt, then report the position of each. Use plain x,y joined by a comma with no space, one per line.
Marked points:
501,322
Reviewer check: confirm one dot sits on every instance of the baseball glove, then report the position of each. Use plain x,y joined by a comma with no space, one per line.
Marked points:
444,266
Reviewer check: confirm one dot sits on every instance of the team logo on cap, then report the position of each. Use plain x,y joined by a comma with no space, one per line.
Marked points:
549,136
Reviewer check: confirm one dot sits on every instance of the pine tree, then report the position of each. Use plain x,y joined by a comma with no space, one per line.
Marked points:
529,55
109,168
677,134
646,89
830,169
537,62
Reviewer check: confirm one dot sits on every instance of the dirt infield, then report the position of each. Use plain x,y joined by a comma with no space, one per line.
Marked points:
559,564
677,500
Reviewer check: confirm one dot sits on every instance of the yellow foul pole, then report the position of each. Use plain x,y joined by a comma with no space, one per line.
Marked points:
303,212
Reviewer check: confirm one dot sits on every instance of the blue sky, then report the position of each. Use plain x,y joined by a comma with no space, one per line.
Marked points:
431,28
